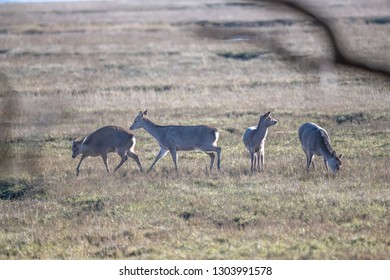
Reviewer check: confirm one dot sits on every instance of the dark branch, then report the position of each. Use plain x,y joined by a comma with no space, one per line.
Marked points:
340,56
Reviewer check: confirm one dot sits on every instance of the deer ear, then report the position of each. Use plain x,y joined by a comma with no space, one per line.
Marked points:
341,156
146,112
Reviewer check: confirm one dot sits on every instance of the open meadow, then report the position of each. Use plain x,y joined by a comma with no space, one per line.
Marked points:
67,69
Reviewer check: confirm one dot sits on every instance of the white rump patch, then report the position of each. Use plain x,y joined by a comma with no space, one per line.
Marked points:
216,138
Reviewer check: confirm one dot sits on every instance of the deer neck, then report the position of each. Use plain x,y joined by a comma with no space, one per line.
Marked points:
327,154
326,149
152,128
261,132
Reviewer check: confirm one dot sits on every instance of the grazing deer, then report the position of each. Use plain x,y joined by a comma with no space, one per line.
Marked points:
315,141
173,138
254,139
108,139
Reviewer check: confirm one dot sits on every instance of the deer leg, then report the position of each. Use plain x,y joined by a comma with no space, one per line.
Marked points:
219,150
212,157
253,161
136,159
310,157
258,157
124,158
312,162
216,149
78,166
174,157
262,160
326,165
161,154
104,157
309,160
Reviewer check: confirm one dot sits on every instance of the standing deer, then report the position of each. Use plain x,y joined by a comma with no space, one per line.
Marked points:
254,139
108,139
315,141
173,138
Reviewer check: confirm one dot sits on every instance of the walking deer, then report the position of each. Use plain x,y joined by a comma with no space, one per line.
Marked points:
315,141
254,139
106,140
173,138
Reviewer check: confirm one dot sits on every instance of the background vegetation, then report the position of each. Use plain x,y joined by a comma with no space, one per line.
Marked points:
68,69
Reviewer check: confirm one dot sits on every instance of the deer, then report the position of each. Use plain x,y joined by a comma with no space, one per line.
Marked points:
315,141
174,138
254,140
108,139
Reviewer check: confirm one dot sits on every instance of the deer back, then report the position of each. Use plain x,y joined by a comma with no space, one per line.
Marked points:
107,139
315,139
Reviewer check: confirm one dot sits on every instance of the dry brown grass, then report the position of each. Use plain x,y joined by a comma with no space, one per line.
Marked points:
73,68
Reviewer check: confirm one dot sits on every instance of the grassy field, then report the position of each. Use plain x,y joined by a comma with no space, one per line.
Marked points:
68,69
